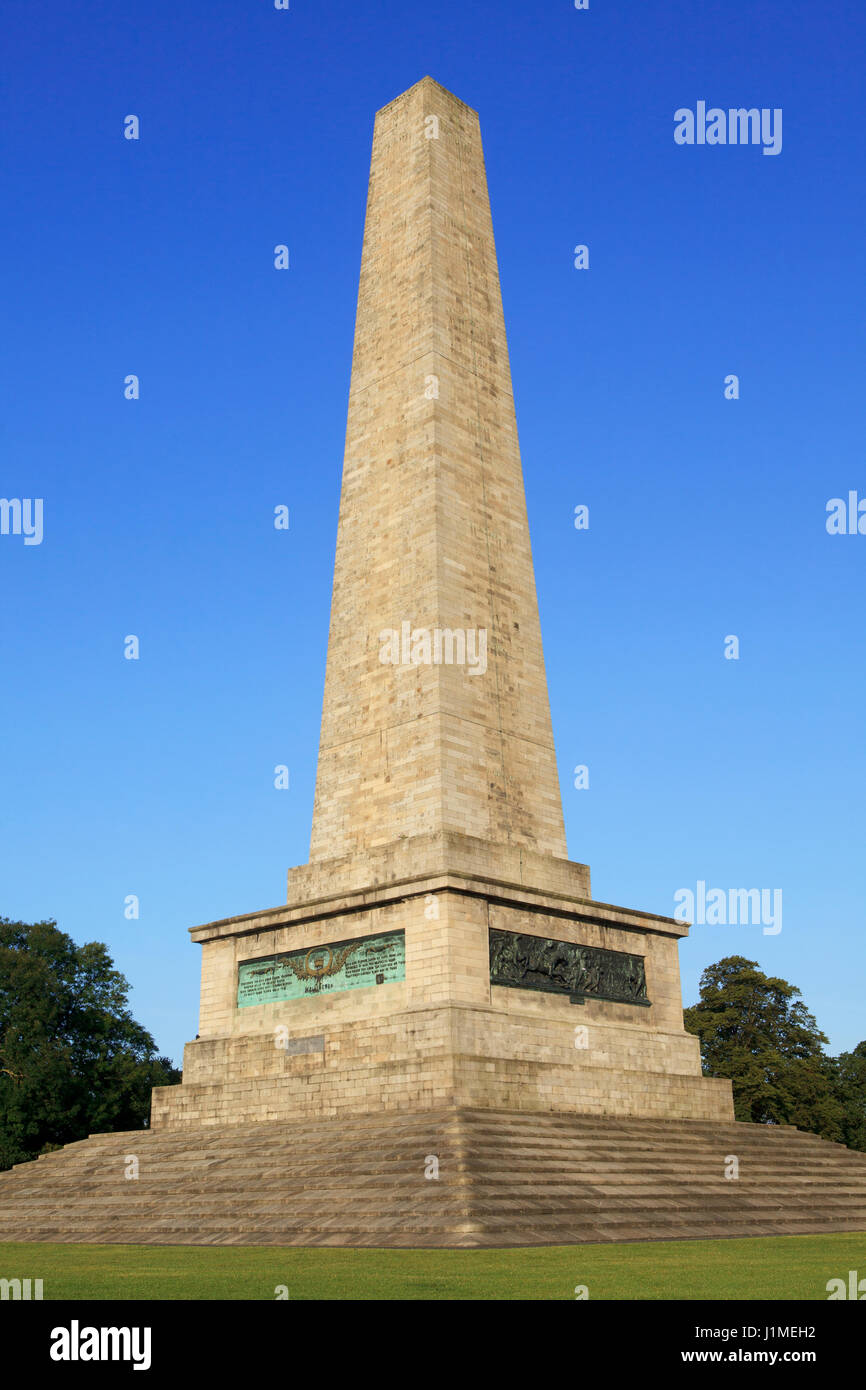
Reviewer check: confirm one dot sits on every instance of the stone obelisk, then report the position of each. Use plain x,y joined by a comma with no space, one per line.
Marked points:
433,950
433,532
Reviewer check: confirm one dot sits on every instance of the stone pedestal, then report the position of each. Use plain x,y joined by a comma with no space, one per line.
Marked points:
444,1035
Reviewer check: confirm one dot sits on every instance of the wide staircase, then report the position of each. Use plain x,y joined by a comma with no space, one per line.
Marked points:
503,1179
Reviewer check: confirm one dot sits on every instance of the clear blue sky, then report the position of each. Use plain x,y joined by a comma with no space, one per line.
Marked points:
707,516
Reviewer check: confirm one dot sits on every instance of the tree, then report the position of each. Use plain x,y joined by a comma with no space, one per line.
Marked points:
73,1060
850,1076
754,1029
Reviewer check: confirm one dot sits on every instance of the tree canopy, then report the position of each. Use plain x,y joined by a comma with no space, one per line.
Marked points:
73,1060
756,1030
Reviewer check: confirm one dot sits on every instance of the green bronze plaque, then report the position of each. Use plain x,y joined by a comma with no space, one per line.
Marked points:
365,960
561,967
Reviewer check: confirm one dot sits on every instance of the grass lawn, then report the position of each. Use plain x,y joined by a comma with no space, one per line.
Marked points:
779,1267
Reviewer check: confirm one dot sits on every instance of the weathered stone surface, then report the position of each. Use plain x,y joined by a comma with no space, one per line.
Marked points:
433,527
500,1179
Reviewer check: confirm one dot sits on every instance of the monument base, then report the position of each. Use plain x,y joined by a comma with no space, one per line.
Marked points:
428,1058
446,1178
588,1022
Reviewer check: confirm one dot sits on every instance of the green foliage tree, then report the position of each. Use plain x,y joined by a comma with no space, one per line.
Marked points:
850,1076
73,1060
755,1029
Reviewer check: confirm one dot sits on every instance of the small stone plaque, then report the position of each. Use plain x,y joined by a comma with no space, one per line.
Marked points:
296,1047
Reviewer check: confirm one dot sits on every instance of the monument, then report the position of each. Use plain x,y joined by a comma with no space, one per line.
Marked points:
439,946
441,1038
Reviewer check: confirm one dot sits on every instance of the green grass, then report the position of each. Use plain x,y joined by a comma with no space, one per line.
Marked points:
779,1267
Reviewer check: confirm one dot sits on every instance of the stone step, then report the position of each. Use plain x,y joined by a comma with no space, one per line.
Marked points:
546,1194
519,1148
420,1216
295,1144
505,1178
498,1175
